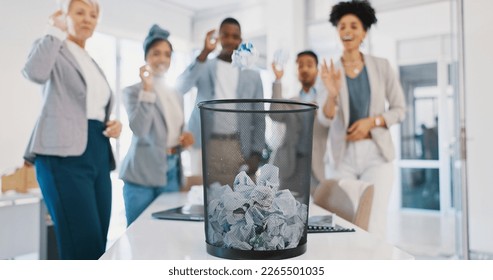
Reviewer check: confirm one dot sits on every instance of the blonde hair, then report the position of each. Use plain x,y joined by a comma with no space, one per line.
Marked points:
65,4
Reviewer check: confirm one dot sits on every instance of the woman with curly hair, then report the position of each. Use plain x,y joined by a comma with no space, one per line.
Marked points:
358,87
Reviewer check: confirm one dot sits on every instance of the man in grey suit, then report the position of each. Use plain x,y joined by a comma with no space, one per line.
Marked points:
287,155
217,78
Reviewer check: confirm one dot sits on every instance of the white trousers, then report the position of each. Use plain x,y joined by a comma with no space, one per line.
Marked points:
363,161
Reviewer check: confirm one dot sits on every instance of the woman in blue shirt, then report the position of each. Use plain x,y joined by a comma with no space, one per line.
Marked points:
358,88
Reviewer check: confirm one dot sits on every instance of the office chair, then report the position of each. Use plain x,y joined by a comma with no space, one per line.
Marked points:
349,199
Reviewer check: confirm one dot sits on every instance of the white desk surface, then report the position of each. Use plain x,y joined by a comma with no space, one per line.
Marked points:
152,239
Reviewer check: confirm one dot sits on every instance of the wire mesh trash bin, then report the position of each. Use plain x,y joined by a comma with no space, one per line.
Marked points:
254,210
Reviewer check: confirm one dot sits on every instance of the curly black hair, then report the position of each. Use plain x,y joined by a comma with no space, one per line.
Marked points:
360,8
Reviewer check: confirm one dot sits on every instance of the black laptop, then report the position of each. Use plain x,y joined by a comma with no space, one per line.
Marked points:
191,212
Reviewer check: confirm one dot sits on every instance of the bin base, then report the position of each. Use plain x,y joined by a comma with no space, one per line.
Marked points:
236,254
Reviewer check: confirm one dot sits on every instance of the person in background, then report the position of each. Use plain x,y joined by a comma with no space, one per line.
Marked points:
217,78
155,112
358,88
70,144
291,148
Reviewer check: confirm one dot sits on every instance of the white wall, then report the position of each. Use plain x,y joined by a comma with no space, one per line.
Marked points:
22,21
250,14
416,22
285,29
392,26
132,19
479,101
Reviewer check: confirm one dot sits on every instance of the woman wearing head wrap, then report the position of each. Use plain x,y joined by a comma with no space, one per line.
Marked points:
70,145
360,145
155,113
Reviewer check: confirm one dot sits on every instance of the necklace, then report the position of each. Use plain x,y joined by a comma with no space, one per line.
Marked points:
353,66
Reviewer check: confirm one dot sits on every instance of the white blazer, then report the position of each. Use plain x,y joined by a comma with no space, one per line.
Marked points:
385,88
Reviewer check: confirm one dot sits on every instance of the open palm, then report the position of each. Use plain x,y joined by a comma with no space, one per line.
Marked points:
331,78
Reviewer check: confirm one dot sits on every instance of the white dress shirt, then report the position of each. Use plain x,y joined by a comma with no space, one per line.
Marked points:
98,90
173,112
225,88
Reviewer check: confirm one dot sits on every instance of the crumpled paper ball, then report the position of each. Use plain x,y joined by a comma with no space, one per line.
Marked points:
281,57
253,216
245,56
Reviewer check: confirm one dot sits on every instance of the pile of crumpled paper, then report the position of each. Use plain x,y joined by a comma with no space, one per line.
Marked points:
253,216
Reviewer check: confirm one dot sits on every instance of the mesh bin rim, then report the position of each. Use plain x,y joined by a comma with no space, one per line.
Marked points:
204,105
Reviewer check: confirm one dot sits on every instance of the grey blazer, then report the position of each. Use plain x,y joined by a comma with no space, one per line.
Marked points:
203,76
385,87
146,161
61,129
287,152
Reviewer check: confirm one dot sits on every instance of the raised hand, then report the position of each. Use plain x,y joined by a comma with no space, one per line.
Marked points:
58,20
277,72
145,73
331,78
210,42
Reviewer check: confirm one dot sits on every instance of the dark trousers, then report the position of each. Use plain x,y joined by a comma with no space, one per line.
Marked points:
77,193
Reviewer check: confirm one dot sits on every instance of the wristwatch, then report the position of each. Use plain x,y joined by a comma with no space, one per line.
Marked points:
378,121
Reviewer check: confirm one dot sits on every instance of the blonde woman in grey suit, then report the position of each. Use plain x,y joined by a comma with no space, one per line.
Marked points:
358,87
69,144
